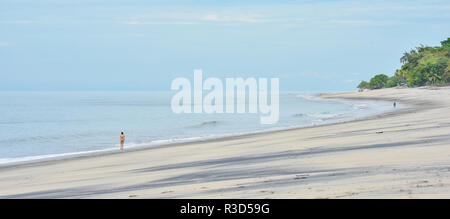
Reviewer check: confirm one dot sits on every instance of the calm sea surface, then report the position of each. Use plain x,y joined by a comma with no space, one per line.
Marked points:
42,125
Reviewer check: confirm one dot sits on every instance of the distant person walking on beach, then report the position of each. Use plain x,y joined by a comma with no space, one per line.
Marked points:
395,103
122,140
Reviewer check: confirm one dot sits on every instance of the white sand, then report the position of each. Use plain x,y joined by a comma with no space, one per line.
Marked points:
409,159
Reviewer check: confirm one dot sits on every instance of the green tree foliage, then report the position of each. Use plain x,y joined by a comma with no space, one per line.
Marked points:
364,85
427,65
423,65
378,81
446,77
446,43
392,82
401,77
430,69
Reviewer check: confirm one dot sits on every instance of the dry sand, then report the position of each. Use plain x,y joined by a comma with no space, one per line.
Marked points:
405,154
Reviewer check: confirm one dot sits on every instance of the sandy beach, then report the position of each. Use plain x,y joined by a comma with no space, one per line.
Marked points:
402,154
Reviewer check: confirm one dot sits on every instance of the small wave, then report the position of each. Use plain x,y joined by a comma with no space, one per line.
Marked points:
19,160
359,106
299,115
129,146
206,124
323,115
307,97
46,139
209,123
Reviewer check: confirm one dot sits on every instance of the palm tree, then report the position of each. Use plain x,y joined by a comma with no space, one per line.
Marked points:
433,77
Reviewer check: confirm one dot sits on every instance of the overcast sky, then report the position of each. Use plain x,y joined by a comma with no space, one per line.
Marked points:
143,45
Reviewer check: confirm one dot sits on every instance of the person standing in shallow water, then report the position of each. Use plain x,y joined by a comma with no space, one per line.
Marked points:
122,140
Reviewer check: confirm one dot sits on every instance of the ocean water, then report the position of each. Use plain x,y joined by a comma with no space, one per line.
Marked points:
47,125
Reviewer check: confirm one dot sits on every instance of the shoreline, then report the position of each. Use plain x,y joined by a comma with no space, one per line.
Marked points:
54,158
399,154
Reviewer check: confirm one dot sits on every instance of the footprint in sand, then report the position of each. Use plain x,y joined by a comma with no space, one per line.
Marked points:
166,192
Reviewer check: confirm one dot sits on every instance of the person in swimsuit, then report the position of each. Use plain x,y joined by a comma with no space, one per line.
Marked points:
122,140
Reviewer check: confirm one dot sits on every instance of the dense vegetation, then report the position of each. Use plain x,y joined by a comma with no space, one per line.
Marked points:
424,65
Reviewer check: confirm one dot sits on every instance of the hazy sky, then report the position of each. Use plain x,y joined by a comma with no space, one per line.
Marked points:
144,45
